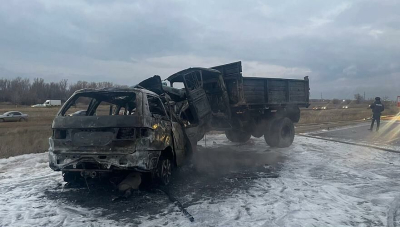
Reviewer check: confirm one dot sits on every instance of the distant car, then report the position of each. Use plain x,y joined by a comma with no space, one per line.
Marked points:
13,116
38,105
78,113
319,108
345,107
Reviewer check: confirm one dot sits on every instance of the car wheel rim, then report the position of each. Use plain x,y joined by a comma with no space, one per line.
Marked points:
166,171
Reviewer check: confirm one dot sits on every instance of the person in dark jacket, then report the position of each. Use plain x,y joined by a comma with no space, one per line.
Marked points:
377,108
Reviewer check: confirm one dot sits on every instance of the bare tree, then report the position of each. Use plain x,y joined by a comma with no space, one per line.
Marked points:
358,98
23,91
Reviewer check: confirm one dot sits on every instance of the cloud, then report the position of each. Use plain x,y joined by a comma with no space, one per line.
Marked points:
130,40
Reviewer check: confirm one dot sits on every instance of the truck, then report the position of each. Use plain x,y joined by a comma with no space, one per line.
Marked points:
48,103
122,130
52,103
243,106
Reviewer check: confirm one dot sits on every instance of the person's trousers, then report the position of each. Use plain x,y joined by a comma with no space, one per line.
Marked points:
378,122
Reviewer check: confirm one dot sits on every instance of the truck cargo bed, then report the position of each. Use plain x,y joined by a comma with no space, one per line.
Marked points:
263,91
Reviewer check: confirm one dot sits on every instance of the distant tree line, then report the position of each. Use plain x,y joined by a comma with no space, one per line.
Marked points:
22,91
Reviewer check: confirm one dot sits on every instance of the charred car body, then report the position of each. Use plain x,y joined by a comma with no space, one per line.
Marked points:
122,129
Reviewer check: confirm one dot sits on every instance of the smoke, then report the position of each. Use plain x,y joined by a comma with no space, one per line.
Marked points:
229,158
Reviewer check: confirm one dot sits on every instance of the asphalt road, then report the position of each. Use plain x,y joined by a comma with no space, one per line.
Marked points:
387,136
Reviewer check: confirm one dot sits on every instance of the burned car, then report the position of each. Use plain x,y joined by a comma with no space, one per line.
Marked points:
122,129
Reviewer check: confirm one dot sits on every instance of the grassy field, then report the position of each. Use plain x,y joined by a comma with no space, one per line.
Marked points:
332,115
32,136
26,137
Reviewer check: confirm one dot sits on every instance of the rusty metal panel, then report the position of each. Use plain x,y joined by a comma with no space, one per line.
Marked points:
254,91
297,91
197,98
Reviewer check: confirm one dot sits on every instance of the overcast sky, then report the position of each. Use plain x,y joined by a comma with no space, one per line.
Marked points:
345,47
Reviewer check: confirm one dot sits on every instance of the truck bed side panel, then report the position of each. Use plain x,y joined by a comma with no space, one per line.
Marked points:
262,91
275,91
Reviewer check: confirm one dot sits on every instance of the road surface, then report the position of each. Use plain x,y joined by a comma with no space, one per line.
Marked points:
388,135
312,183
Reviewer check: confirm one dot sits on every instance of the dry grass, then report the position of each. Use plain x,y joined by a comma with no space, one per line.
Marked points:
309,116
26,137
18,138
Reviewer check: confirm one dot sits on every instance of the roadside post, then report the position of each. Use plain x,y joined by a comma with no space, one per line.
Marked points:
398,101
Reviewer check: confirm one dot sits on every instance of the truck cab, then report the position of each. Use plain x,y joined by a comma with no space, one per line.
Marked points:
121,130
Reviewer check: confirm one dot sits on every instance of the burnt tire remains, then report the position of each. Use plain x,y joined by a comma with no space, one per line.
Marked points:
164,170
237,136
72,177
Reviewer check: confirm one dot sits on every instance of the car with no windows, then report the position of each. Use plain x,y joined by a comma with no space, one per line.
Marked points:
122,130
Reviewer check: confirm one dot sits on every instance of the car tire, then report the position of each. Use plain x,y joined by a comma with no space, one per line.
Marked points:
282,133
2,120
164,170
22,119
237,136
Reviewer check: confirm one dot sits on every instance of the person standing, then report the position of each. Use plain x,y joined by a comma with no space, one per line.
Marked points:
377,108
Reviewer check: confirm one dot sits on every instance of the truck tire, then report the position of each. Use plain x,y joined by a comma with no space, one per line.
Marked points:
293,113
259,130
269,134
237,136
282,131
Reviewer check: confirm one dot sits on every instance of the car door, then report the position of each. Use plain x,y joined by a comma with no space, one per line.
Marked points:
16,116
197,98
161,123
179,142
8,116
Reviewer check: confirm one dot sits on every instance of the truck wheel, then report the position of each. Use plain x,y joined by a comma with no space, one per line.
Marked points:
237,136
293,113
164,170
282,132
269,134
259,130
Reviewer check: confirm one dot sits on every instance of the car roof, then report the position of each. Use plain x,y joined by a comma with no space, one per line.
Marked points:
113,89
